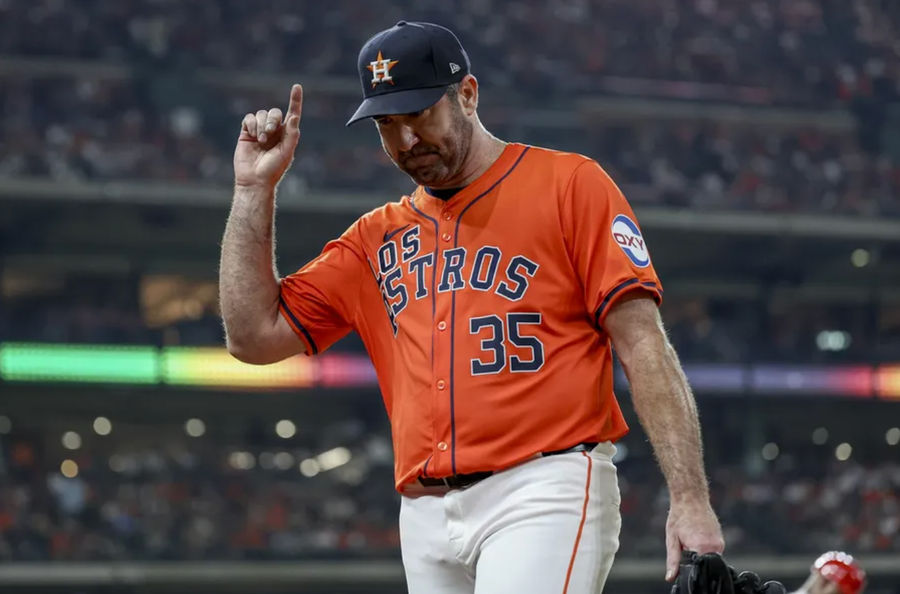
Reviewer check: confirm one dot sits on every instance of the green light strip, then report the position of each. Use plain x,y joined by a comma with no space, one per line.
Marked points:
77,363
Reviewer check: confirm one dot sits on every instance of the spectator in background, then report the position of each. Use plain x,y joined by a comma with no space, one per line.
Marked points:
834,573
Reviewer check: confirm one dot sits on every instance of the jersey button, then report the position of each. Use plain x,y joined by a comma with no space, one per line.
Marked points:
448,216
442,446
442,325
446,237
441,385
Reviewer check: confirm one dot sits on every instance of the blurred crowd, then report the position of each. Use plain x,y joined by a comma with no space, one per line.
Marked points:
707,166
183,501
72,129
716,330
801,52
786,509
79,130
161,120
91,310
201,500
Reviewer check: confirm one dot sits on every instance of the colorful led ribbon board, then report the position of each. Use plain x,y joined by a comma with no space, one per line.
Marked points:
177,366
214,367
79,363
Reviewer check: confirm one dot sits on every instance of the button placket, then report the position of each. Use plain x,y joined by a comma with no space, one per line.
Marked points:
442,341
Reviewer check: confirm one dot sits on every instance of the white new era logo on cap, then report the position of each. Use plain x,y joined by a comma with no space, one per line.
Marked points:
454,68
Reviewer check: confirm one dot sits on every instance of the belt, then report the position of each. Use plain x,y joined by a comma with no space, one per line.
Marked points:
460,481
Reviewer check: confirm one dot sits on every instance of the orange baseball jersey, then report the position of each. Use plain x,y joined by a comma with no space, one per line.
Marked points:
483,314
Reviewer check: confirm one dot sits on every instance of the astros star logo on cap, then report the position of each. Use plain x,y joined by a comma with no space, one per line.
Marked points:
381,69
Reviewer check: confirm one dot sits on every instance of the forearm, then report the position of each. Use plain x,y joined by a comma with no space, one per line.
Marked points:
248,281
668,413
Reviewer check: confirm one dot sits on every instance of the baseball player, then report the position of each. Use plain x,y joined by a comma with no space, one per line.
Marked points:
488,299
834,572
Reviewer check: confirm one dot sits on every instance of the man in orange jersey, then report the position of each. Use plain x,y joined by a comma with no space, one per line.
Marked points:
489,299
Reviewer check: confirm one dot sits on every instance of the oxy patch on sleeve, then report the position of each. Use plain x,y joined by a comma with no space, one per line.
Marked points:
628,237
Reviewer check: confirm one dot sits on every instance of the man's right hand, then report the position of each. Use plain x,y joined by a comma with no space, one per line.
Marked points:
265,148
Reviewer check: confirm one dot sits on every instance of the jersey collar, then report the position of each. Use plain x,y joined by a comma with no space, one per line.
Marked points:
432,206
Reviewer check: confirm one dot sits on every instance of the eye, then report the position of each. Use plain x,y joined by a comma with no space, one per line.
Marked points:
383,120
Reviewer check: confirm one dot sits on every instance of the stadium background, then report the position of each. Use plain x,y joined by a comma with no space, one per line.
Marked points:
758,141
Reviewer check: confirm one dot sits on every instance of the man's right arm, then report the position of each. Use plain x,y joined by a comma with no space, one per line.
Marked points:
249,291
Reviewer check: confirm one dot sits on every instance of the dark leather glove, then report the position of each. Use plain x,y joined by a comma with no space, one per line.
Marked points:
710,574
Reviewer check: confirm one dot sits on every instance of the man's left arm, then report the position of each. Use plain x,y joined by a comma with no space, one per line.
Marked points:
668,413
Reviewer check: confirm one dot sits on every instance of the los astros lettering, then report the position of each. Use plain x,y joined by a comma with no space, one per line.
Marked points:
397,281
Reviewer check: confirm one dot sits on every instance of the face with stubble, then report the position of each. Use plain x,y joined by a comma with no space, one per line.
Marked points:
431,145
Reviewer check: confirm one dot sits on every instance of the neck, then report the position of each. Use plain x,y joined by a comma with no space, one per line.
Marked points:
484,150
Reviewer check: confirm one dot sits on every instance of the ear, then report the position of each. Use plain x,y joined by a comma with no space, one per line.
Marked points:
468,94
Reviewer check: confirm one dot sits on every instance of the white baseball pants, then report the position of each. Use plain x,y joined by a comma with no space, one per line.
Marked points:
548,526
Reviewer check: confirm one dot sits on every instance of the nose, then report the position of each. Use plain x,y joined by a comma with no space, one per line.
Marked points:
408,138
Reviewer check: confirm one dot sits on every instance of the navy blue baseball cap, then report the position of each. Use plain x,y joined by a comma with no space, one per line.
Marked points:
407,68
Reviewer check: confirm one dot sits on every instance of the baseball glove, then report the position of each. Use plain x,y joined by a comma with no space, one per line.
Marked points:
709,574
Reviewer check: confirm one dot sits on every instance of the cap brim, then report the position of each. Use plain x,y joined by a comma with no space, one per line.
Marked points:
398,102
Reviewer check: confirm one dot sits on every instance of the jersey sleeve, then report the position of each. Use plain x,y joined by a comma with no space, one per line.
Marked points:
320,300
605,244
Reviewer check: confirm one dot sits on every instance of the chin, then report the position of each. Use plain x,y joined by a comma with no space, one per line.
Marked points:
426,177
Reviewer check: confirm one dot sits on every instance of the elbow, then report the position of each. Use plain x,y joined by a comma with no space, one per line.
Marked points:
247,351
238,349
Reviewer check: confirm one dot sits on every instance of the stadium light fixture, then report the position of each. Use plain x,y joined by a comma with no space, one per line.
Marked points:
833,340
195,427
242,460
285,429
843,451
283,460
892,437
820,435
267,461
102,426
309,468
71,440
68,468
333,458
860,258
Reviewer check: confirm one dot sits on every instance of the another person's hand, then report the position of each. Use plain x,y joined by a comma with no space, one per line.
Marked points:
265,147
691,526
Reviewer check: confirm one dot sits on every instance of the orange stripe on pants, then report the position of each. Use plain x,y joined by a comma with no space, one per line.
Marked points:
587,488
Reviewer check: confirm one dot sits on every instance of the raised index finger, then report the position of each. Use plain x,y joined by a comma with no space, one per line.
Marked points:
296,105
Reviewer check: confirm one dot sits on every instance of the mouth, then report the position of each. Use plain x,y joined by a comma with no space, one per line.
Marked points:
421,160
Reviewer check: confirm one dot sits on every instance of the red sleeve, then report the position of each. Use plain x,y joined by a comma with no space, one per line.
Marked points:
320,300
605,244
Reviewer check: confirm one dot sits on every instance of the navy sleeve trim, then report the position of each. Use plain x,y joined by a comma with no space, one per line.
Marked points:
619,288
654,286
297,324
